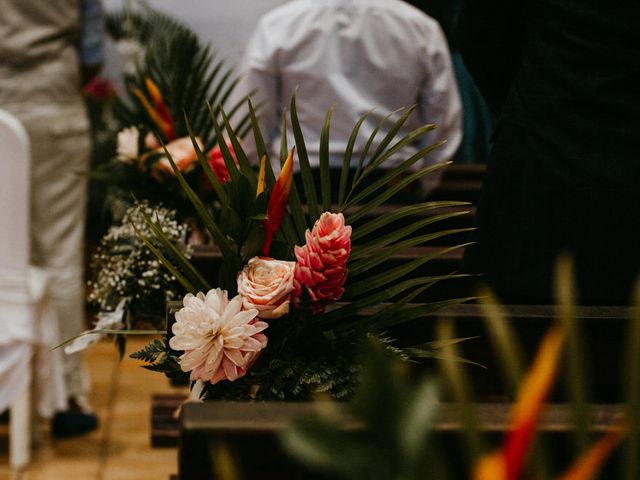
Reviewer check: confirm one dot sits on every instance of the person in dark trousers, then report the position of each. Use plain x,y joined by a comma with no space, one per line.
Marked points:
563,78
477,119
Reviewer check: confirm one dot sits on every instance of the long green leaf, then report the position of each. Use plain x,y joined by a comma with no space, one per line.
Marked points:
260,145
361,250
209,223
295,205
325,179
234,173
503,339
380,256
384,196
169,265
382,279
365,152
346,163
348,310
206,168
459,385
575,372
399,213
245,167
310,195
384,180
409,139
386,140
413,312
195,278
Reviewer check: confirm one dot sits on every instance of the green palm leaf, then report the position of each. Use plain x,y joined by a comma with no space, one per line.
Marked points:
361,250
183,263
346,163
206,168
400,213
390,192
364,286
188,286
305,167
325,180
188,74
388,138
228,250
378,256
295,205
383,182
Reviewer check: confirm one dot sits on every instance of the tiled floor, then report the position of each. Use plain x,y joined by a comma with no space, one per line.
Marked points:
120,448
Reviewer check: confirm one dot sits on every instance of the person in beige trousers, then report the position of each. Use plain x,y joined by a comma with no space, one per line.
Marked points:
46,48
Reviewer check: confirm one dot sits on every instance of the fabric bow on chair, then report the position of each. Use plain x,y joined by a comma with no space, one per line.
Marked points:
28,324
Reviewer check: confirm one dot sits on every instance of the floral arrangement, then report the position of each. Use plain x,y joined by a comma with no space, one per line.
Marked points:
299,288
125,273
169,77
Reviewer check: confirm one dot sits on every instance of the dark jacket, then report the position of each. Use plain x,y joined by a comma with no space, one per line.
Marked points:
563,76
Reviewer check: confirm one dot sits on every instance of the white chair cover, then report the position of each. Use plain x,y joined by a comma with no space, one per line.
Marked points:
28,324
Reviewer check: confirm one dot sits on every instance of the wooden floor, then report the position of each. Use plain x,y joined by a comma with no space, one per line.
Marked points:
120,448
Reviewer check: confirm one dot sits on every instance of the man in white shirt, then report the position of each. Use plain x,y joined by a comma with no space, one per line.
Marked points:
358,56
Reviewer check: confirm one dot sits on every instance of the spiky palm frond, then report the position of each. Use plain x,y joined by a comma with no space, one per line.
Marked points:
188,74
366,285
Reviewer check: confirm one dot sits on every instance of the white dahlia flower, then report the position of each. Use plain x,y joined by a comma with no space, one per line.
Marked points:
220,340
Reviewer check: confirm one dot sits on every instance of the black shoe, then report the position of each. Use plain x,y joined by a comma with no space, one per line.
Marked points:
74,421
71,424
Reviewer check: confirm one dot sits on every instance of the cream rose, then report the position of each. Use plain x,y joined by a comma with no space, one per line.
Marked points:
266,285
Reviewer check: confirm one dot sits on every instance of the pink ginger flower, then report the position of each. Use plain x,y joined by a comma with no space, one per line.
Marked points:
322,262
220,340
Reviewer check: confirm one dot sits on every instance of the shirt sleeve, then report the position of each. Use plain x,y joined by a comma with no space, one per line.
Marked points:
91,41
440,103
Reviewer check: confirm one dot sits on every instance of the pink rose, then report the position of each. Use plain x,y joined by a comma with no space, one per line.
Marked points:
322,262
266,284
182,153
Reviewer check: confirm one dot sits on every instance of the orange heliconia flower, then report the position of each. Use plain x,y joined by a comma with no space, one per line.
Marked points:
278,203
508,462
158,112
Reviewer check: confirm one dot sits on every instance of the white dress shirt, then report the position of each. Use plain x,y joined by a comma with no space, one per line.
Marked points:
358,56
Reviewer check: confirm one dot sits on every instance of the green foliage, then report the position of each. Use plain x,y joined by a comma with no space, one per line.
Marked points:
159,358
310,353
193,83
382,433
123,266
388,429
187,73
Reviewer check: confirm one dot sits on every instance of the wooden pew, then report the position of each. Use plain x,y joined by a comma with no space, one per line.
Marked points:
603,329
249,431
461,182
